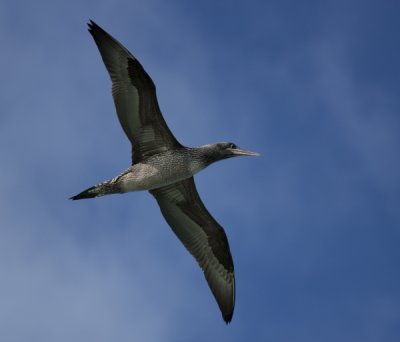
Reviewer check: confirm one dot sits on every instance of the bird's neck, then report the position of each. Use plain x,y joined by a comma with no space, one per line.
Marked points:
205,154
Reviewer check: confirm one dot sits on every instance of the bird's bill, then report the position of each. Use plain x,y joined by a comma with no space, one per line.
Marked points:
241,152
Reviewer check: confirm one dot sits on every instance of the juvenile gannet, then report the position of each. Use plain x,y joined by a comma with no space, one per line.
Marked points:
161,165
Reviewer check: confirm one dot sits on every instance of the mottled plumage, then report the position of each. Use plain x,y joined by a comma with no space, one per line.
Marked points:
161,165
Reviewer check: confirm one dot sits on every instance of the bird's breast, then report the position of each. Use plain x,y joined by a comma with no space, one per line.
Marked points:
159,171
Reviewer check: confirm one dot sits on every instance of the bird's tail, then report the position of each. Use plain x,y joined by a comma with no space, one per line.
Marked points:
105,188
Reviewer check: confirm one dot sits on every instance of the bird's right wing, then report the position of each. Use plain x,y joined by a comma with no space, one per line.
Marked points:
135,98
204,238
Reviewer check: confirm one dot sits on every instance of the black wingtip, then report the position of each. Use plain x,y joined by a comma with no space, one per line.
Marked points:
228,318
92,26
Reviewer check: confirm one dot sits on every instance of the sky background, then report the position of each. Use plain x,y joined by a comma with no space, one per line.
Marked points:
313,224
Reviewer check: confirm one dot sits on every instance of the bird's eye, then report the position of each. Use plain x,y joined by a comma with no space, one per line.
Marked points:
233,146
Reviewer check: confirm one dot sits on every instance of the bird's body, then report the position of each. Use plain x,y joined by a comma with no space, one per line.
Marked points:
161,169
164,167
154,172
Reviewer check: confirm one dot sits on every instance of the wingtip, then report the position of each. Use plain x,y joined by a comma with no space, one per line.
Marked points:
228,318
91,23
92,26
228,307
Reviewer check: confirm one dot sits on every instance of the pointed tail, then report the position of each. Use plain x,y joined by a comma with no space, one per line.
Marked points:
105,188
88,193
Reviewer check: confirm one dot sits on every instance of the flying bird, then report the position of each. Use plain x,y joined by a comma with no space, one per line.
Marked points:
164,167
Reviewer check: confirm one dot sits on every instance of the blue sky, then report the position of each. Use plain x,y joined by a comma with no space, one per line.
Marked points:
313,224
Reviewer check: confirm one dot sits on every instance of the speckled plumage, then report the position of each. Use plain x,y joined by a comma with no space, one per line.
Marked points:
164,167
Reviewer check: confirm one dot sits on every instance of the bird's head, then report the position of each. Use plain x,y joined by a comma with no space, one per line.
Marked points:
224,150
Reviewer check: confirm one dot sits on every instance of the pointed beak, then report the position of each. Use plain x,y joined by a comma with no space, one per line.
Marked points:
240,152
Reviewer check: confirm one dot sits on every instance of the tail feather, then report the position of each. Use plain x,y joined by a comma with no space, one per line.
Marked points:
88,193
105,188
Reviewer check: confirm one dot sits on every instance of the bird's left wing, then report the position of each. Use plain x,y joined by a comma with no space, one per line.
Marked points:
204,238
135,98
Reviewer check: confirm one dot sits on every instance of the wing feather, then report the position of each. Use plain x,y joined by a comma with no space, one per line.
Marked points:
203,237
135,98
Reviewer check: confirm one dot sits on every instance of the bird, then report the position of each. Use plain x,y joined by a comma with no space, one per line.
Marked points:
165,168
